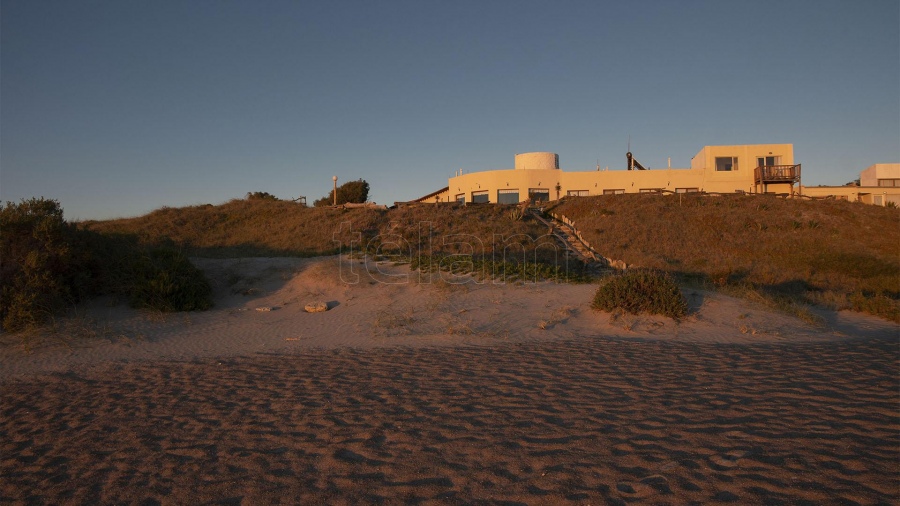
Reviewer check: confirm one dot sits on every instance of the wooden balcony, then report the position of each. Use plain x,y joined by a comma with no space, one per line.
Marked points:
777,174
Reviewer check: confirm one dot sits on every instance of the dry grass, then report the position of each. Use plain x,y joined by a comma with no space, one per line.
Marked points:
786,253
70,329
458,326
393,321
559,315
244,228
834,253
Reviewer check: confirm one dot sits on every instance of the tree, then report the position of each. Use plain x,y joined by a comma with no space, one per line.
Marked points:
261,196
38,262
351,192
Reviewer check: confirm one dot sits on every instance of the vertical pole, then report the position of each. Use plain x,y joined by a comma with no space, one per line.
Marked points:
334,178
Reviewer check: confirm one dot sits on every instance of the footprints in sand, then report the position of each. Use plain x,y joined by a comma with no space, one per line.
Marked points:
669,476
644,488
728,460
587,420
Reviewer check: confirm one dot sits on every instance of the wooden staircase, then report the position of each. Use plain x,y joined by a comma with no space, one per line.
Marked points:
573,245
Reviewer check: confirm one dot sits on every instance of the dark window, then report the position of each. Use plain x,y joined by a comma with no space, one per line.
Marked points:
577,193
767,161
480,197
539,194
727,163
461,198
613,192
687,190
507,196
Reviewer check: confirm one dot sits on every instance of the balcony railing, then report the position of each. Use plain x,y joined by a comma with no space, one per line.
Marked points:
777,174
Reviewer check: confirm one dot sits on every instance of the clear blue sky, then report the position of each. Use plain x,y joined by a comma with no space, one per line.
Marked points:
117,108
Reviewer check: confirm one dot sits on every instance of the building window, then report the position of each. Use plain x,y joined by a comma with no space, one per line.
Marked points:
765,161
613,192
461,198
726,163
539,194
508,196
687,190
889,182
480,197
577,193
650,190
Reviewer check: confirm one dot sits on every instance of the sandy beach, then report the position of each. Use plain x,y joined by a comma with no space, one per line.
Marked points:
412,392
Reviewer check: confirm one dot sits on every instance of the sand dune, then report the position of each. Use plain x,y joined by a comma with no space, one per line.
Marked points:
439,393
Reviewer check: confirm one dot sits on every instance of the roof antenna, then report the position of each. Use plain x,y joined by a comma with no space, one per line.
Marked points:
632,163
628,154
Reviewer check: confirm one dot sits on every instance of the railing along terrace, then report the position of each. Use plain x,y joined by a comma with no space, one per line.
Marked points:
766,173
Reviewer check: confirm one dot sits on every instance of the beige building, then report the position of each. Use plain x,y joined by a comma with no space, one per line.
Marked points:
716,169
756,168
879,184
881,174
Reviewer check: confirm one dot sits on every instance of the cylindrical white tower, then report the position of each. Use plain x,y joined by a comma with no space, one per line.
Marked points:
537,161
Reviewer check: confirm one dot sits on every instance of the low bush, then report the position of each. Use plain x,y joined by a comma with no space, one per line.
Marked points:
641,291
48,265
165,280
38,267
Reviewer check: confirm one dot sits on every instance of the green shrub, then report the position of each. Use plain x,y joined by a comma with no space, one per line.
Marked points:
165,280
47,265
486,267
641,291
261,196
351,192
39,271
